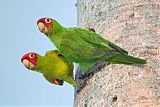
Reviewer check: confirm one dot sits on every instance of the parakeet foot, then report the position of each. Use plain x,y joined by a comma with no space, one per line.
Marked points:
57,81
78,89
91,29
61,82
96,68
83,76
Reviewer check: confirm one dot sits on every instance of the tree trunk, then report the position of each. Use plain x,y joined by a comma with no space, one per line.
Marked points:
135,26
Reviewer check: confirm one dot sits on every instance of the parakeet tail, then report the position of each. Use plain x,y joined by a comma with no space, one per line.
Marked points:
126,59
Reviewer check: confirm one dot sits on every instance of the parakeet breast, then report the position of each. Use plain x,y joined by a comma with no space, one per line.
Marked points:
54,67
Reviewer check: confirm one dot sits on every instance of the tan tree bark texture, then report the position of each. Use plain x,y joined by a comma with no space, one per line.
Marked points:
135,26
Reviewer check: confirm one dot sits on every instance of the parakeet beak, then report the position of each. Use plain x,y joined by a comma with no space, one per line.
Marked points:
28,64
43,28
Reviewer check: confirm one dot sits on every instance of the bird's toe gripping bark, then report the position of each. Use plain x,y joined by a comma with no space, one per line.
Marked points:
96,68
81,86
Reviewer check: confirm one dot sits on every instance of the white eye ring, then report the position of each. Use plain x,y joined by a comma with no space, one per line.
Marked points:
31,55
47,20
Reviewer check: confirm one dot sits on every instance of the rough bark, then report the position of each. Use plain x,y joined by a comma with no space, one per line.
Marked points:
135,26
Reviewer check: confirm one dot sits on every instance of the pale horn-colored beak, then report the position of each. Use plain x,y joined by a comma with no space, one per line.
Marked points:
42,27
28,64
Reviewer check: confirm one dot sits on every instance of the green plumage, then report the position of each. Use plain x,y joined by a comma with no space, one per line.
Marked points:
86,47
53,66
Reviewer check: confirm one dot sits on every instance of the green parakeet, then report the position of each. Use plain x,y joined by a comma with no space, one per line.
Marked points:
83,46
53,66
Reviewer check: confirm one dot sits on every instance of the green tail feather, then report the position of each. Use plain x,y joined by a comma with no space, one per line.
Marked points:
126,59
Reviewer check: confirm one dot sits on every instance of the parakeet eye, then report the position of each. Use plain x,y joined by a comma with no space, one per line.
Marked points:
31,55
47,20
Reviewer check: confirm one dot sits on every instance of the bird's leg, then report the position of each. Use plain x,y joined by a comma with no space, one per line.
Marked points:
91,29
61,82
84,77
81,86
96,68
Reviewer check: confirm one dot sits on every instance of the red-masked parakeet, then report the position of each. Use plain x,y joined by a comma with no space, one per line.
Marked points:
83,46
53,66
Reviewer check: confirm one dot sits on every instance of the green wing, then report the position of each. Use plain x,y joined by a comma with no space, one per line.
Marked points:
51,52
90,36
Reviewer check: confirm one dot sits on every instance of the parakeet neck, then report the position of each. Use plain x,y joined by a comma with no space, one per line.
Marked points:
56,29
40,64
56,35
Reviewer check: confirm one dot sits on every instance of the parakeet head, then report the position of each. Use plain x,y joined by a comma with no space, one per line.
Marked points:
30,60
48,25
